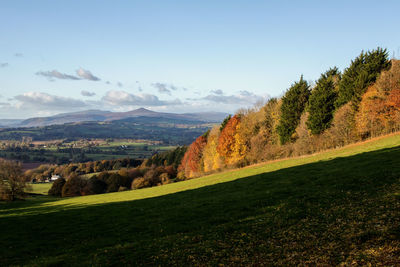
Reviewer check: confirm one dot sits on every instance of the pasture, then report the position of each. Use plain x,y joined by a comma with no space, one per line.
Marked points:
337,207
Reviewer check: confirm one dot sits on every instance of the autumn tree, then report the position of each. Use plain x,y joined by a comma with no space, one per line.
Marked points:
379,110
192,160
361,73
56,187
227,141
211,158
73,186
293,104
321,104
12,180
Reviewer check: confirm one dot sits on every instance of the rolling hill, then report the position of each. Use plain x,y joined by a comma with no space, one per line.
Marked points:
100,115
337,207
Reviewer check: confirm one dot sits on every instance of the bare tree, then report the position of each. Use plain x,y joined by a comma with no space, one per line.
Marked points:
12,180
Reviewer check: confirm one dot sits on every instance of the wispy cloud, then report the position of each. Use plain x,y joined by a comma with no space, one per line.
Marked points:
81,74
4,64
217,92
162,88
56,74
18,55
87,75
87,93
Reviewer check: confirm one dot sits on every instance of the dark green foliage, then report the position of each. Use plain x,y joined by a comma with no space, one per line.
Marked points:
56,188
293,104
223,124
94,186
321,104
362,72
73,186
115,181
173,157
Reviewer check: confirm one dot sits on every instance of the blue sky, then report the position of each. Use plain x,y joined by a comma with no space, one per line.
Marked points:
176,56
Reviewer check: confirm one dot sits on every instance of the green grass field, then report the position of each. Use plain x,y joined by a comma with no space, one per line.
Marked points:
39,188
336,207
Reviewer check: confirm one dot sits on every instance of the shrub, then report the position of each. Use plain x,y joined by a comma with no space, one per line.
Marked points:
140,183
56,188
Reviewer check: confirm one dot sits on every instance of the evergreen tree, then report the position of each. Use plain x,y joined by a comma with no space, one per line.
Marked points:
321,103
293,104
362,72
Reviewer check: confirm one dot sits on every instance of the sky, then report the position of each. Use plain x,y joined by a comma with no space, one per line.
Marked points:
176,56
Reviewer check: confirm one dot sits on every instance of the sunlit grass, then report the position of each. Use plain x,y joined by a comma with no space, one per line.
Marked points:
339,207
226,176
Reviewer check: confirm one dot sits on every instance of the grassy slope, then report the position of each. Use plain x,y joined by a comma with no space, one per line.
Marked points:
333,207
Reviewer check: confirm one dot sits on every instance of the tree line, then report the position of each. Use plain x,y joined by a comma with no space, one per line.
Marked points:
341,108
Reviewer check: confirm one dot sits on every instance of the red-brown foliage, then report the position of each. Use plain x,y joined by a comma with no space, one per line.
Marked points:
191,162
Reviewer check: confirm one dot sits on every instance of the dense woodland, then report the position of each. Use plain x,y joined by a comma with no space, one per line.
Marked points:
341,108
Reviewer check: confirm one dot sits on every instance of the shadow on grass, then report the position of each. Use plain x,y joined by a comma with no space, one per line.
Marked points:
285,196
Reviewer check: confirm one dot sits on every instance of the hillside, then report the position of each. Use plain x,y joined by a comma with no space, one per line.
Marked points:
339,206
101,116
169,131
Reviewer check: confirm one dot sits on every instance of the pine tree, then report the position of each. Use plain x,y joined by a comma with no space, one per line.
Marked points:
321,103
293,104
362,72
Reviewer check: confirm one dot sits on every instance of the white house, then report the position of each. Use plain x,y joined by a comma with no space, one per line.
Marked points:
54,177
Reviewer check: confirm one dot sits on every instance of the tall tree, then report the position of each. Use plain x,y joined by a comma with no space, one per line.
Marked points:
226,140
293,104
361,73
321,104
192,160
12,180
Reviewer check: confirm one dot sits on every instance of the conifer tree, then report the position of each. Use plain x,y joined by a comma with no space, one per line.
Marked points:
321,103
362,72
293,104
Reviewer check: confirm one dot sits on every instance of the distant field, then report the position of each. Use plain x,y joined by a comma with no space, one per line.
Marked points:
332,208
40,188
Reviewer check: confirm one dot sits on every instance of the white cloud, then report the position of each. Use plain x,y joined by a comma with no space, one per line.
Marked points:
43,101
126,99
85,74
87,93
244,98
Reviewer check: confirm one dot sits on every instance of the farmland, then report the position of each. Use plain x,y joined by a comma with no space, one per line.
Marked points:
65,151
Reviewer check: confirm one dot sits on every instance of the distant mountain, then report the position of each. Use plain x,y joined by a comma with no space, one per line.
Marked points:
100,115
9,123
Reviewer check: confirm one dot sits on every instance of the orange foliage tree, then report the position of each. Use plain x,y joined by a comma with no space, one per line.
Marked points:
379,110
231,145
192,160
